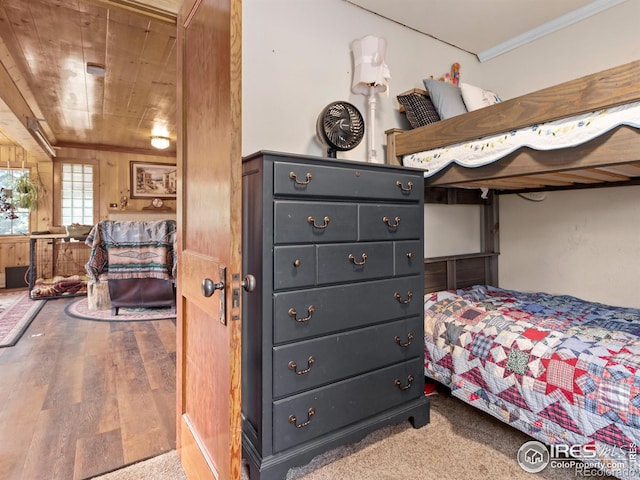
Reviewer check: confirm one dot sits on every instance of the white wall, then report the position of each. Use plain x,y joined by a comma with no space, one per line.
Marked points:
584,243
444,237
297,59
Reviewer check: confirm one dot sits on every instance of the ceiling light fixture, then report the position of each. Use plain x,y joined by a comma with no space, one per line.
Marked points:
34,126
160,142
96,69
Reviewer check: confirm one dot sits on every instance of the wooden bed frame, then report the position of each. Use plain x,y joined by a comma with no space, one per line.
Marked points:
612,159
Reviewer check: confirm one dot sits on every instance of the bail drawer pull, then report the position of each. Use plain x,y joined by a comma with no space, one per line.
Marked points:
408,342
353,260
312,221
391,225
310,311
293,366
294,177
293,419
402,187
398,297
407,386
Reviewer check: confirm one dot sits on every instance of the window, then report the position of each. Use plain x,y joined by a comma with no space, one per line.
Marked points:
20,224
76,194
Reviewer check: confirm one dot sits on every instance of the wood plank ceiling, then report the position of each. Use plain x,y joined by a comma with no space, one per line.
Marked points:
46,45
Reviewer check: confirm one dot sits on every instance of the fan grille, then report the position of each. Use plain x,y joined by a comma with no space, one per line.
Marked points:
341,126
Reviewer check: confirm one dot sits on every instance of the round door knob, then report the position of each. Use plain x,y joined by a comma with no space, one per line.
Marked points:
209,287
249,283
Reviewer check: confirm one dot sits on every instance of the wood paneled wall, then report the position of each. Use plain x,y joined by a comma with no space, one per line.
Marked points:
113,171
113,183
11,155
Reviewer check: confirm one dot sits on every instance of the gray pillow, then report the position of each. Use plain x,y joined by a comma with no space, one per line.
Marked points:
446,97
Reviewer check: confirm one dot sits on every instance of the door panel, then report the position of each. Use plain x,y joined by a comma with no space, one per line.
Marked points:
209,218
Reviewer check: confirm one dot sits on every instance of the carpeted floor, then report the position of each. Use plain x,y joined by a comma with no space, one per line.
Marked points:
16,312
80,309
459,443
163,467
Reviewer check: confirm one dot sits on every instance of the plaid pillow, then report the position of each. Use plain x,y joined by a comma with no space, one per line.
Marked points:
419,109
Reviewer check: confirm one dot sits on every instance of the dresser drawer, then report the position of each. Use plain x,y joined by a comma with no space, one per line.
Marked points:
315,222
408,257
354,261
387,222
328,408
308,313
301,266
346,182
311,363
294,266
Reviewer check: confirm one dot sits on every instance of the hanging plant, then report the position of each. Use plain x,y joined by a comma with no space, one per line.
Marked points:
25,192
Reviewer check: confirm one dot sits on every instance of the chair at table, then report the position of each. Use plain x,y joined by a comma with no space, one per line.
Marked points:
136,262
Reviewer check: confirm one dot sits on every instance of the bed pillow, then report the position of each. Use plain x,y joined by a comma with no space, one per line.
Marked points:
476,97
446,97
419,109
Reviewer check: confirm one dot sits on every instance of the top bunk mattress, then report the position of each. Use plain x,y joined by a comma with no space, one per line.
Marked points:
558,134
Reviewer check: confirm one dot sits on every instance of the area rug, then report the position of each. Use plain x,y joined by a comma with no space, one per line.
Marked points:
16,312
80,309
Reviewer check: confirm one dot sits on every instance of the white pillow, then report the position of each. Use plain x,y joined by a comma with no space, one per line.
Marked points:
476,97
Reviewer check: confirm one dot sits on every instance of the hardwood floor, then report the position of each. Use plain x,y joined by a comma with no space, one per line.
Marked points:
79,398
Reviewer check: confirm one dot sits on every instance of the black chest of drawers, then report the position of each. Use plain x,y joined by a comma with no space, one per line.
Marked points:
333,333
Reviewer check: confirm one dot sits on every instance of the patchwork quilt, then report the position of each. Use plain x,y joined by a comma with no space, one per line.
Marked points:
561,369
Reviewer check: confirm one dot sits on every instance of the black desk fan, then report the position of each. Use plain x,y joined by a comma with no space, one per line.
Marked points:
340,127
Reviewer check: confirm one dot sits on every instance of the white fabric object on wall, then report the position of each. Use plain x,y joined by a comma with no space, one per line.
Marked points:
369,65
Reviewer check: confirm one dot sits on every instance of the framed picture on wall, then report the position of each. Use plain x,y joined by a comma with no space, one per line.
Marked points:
152,180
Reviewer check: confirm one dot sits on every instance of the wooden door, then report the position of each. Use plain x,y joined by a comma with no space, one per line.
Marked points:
209,239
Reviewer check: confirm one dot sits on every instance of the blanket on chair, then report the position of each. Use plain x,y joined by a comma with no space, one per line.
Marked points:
129,249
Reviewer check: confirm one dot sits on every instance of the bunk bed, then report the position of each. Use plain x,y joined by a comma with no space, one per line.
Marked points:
561,369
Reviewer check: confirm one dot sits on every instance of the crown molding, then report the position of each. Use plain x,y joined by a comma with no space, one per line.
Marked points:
547,28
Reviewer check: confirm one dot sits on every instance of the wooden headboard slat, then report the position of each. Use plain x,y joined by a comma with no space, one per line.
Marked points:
459,271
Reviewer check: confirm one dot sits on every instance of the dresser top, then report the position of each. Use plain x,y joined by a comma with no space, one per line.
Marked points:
317,160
